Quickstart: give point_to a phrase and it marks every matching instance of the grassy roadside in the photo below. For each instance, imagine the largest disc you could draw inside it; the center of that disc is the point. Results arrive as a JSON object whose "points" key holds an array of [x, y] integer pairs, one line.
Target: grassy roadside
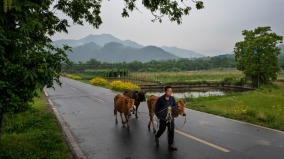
{"points": [[33, 134], [264, 106]]}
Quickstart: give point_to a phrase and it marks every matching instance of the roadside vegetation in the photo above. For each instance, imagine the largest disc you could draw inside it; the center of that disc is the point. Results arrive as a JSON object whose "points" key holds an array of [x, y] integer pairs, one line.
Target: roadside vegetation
{"points": [[116, 85], [231, 76], [33, 134], [264, 106]]}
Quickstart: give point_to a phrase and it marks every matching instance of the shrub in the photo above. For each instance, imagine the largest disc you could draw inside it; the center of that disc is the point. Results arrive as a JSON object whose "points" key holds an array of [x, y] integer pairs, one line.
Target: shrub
{"points": [[73, 77], [99, 81], [122, 86]]}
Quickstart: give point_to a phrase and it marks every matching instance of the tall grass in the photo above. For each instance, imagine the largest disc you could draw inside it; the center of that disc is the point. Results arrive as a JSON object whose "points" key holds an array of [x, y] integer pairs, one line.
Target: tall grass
{"points": [[192, 76], [33, 134]]}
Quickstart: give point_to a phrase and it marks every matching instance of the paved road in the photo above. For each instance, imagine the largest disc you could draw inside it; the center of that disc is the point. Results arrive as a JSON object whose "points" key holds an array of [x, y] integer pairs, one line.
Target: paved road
{"points": [[88, 111]]}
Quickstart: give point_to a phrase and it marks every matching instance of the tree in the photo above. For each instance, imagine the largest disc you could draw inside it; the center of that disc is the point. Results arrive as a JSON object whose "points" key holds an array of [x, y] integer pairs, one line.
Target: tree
{"points": [[28, 60], [257, 54], [281, 61]]}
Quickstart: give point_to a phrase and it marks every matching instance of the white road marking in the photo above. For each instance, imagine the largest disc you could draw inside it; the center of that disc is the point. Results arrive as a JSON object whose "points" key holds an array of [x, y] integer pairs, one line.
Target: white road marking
{"points": [[203, 141], [97, 99], [75, 89], [200, 140]]}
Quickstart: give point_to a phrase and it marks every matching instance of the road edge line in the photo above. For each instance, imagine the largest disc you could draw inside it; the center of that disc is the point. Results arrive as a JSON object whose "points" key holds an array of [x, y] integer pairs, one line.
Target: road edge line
{"points": [[77, 153]]}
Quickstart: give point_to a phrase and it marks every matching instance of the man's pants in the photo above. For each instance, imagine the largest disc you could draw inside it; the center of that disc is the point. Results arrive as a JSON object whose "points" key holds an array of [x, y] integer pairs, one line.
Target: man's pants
{"points": [[162, 128]]}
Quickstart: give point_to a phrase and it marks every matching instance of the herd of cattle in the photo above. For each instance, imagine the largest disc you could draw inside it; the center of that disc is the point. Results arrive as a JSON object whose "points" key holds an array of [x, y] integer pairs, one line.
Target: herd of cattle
{"points": [[124, 104]]}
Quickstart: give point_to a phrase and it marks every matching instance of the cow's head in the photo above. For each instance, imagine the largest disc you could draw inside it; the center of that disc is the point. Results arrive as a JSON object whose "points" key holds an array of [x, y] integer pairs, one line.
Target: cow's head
{"points": [[130, 103], [180, 109], [140, 96]]}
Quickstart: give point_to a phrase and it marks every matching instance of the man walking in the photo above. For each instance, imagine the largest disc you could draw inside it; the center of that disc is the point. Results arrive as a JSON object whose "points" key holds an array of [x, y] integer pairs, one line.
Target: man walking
{"points": [[165, 106]]}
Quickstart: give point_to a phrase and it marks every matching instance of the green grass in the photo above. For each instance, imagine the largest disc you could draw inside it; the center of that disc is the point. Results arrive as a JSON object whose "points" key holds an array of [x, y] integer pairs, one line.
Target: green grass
{"points": [[264, 106], [189, 77], [178, 77], [280, 76], [33, 134]]}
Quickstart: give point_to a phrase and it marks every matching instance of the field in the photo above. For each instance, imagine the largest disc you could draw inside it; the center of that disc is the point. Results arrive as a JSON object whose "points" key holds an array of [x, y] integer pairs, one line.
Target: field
{"points": [[33, 134], [230, 75], [191, 76], [264, 106]]}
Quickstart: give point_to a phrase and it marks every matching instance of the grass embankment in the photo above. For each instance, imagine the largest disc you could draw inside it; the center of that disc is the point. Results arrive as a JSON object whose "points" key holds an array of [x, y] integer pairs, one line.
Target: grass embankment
{"points": [[33, 134], [264, 106]]}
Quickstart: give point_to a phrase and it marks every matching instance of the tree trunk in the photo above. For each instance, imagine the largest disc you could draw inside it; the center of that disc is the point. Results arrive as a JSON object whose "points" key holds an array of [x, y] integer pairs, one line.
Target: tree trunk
{"points": [[1, 124]]}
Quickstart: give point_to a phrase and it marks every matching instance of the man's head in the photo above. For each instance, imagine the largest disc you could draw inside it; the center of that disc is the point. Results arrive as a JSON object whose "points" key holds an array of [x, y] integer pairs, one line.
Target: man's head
{"points": [[168, 91]]}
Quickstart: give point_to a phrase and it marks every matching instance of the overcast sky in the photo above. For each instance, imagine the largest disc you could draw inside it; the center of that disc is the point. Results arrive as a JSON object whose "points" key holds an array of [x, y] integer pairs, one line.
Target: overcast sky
{"points": [[211, 31]]}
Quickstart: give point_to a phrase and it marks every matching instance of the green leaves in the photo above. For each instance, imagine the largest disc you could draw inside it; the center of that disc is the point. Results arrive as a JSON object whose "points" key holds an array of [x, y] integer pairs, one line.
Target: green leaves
{"points": [[199, 5], [258, 54], [175, 10], [29, 61], [7, 5]]}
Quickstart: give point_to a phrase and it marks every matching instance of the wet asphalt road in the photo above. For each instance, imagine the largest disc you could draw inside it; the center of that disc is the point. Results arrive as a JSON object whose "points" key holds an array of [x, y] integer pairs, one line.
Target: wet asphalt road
{"points": [[88, 111]]}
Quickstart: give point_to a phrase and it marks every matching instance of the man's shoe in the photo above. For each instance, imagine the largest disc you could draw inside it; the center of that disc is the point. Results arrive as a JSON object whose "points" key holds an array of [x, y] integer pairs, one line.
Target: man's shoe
{"points": [[157, 141], [172, 147]]}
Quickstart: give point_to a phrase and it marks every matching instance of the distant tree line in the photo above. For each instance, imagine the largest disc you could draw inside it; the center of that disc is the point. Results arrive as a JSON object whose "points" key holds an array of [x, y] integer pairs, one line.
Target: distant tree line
{"points": [[156, 66]]}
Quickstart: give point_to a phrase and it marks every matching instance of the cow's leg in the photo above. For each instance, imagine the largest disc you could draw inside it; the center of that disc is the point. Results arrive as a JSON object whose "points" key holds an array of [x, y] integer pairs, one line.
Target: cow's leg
{"points": [[149, 124], [152, 121], [126, 117], [136, 115], [115, 114], [122, 119]]}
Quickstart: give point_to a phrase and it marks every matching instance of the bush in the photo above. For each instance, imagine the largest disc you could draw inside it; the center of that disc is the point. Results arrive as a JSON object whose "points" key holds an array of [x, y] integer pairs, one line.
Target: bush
{"points": [[122, 86], [99, 81], [73, 77]]}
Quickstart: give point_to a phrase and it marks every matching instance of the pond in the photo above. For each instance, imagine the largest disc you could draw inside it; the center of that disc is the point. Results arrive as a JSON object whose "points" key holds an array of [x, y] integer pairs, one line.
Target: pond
{"points": [[191, 93]]}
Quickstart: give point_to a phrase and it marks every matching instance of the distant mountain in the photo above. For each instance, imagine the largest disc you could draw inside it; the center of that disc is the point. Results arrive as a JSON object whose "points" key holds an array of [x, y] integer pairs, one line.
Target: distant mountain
{"points": [[117, 52], [100, 40], [108, 48], [182, 52], [84, 52]]}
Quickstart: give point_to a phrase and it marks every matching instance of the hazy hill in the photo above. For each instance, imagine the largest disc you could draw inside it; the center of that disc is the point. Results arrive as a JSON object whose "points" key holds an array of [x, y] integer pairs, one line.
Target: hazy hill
{"points": [[108, 48], [183, 53], [116, 52], [100, 40]]}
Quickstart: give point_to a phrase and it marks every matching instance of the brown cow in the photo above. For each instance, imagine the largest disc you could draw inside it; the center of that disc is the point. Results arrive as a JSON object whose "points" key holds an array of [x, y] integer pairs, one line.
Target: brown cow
{"points": [[123, 104], [151, 102], [139, 96]]}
